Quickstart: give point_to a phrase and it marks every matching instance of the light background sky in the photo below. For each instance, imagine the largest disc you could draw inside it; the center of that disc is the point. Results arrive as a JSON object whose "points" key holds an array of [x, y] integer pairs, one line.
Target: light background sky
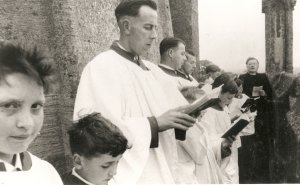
{"points": [[232, 30]]}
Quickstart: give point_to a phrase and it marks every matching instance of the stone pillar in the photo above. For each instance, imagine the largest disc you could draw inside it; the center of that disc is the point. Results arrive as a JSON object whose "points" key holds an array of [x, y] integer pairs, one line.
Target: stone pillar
{"points": [[184, 15], [279, 35], [164, 29]]}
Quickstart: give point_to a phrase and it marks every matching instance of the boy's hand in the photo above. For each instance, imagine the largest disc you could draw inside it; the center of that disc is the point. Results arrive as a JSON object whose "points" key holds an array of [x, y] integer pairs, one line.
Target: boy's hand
{"points": [[226, 145], [175, 118], [262, 93]]}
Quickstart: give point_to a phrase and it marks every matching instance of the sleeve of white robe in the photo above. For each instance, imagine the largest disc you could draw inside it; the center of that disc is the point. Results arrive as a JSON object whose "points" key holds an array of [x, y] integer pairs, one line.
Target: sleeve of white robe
{"points": [[100, 91], [208, 122]]}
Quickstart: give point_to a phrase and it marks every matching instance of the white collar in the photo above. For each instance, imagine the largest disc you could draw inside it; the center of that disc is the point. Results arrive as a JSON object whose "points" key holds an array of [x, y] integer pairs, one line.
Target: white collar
{"points": [[121, 46], [17, 164], [165, 66], [80, 178]]}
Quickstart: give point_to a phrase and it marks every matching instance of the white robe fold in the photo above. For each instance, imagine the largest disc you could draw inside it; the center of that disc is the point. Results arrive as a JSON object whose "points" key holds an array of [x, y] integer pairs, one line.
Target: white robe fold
{"points": [[126, 94], [196, 150], [216, 123], [187, 83]]}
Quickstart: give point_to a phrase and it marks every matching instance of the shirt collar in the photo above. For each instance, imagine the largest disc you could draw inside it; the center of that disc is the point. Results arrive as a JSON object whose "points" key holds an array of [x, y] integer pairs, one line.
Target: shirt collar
{"points": [[167, 67], [117, 47], [16, 166], [80, 178]]}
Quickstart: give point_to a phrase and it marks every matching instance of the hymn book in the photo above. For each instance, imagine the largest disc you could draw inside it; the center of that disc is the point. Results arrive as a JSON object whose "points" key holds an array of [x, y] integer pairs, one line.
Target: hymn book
{"points": [[235, 128], [194, 110]]}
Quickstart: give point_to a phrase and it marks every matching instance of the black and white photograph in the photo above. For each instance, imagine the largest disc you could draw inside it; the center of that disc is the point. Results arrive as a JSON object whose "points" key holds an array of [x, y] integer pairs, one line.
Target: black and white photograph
{"points": [[113, 92]]}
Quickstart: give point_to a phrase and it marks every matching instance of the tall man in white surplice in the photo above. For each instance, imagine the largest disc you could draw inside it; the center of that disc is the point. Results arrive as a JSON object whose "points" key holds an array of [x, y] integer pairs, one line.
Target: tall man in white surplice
{"points": [[136, 95]]}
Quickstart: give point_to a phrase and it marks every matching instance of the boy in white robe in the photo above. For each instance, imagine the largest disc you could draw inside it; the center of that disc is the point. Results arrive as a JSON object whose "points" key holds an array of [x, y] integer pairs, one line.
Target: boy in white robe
{"points": [[138, 97], [188, 67], [196, 149], [216, 121], [24, 80]]}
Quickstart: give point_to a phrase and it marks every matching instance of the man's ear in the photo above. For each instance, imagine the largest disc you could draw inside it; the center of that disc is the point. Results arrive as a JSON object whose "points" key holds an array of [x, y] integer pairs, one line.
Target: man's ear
{"points": [[170, 52], [77, 161], [125, 25]]}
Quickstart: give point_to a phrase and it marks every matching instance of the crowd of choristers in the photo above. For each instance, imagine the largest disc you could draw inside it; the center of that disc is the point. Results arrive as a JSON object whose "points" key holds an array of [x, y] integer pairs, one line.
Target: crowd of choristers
{"points": [[136, 122]]}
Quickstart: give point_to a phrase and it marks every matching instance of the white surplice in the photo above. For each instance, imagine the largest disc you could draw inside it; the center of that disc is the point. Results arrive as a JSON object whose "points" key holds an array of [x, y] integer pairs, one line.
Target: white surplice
{"points": [[126, 94], [216, 122], [196, 151], [235, 109], [187, 83], [40, 172]]}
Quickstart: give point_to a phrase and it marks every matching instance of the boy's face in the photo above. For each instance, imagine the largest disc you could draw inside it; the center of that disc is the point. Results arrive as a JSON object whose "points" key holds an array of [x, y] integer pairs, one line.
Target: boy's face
{"points": [[214, 75], [99, 169], [189, 65], [21, 113], [226, 98]]}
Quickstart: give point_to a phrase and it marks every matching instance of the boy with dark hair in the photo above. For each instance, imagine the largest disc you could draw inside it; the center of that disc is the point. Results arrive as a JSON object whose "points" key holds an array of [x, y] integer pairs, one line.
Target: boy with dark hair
{"points": [[216, 121], [188, 67], [97, 146], [24, 79]]}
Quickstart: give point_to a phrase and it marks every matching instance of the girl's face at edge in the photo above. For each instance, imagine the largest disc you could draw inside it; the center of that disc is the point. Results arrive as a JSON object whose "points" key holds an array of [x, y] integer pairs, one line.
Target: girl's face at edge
{"points": [[21, 113]]}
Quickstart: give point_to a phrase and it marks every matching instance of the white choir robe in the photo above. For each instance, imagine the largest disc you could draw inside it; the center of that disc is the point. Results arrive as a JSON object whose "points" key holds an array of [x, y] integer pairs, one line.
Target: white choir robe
{"points": [[126, 94], [235, 110], [196, 151], [216, 123], [40, 173], [186, 83]]}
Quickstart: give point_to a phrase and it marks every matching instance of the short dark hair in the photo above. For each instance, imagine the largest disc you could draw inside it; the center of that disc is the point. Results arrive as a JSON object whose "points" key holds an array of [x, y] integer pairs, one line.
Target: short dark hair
{"points": [[220, 80], [168, 43], [131, 7], [93, 134], [212, 68], [191, 52], [251, 58], [17, 58], [238, 82], [230, 87]]}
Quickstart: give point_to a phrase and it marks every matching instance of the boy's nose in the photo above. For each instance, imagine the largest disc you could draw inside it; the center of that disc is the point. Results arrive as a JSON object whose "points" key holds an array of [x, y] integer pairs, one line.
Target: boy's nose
{"points": [[25, 120]]}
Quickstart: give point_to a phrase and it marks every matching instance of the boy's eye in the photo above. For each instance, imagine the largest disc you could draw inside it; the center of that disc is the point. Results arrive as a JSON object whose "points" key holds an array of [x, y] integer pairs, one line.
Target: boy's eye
{"points": [[10, 105], [149, 27], [105, 166], [37, 106]]}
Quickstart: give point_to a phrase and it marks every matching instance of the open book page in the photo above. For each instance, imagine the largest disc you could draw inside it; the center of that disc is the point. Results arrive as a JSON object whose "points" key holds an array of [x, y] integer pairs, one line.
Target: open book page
{"points": [[199, 105], [256, 90]]}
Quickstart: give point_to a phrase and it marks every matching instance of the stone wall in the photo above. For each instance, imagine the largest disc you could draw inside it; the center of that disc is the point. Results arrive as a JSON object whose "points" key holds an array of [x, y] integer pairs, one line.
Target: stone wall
{"points": [[73, 32], [185, 22]]}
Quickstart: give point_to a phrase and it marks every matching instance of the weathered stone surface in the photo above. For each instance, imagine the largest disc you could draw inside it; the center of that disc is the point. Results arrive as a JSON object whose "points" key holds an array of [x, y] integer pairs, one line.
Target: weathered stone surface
{"points": [[185, 22], [164, 30], [279, 35]]}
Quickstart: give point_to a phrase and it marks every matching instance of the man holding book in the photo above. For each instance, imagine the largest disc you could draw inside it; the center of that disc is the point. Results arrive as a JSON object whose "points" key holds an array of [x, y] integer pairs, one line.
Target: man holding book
{"points": [[138, 97]]}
